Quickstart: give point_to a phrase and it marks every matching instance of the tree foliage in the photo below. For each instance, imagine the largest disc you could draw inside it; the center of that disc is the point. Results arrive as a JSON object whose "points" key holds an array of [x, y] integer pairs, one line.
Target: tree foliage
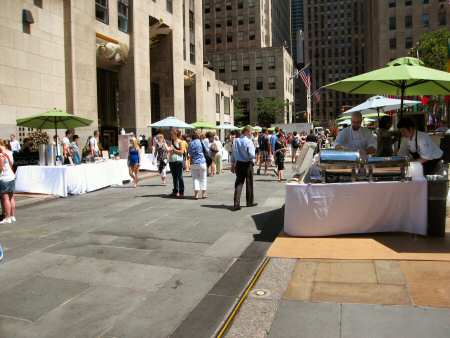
{"points": [[240, 117], [268, 109], [433, 48]]}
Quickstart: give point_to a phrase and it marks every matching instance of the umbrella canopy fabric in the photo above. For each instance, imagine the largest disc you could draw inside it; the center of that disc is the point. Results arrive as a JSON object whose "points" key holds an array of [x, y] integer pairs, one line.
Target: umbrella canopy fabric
{"points": [[377, 104], [226, 126], [365, 116], [171, 122], [53, 119], [405, 76], [257, 129], [347, 121], [203, 125]]}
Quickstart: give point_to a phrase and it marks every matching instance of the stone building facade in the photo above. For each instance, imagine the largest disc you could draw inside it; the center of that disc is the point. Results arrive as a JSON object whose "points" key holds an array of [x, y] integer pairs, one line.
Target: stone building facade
{"points": [[396, 26], [121, 63], [241, 46]]}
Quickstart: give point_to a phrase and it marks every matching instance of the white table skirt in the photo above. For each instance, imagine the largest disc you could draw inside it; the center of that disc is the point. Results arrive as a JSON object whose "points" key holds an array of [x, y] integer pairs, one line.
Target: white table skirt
{"points": [[362, 207], [71, 180]]}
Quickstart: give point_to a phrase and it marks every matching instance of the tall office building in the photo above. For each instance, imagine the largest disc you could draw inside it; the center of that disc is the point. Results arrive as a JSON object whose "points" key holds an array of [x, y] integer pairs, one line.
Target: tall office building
{"points": [[297, 24], [119, 63], [335, 46], [245, 42], [395, 26]]}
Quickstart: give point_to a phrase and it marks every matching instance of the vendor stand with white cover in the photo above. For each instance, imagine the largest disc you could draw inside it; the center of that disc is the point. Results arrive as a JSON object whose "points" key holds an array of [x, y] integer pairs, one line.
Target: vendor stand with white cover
{"points": [[328, 209], [69, 179]]}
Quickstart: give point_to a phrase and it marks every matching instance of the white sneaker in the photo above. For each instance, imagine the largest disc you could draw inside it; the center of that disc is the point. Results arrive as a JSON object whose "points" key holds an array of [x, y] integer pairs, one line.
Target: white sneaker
{"points": [[13, 219], [6, 221]]}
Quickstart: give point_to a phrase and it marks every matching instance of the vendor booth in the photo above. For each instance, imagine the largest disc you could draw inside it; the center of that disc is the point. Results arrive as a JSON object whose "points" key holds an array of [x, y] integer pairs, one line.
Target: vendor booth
{"points": [[69, 179]]}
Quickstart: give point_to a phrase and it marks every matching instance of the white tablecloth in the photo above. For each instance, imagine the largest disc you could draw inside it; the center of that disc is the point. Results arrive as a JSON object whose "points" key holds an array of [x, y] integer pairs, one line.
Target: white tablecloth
{"points": [[363, 207], [71, 180]]}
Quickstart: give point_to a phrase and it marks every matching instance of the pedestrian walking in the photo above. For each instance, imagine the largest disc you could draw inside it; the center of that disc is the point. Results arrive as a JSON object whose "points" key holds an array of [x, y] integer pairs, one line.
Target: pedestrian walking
{"points": [[198, 166], [218, 155], [160, 155], [7, 185], [133, 160], [280, 152], [295, 144], [176, 151], [264, 151], [242, 166]]}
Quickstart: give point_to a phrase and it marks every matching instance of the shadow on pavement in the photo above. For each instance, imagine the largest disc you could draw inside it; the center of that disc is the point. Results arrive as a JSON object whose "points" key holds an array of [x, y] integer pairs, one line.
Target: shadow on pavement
{"points": [[270, 224], [218, 206]]}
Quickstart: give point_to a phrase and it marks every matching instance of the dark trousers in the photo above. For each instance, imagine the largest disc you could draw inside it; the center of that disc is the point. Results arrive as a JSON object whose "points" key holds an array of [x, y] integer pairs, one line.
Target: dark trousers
{"points": [[176, 169], [244, 172]]}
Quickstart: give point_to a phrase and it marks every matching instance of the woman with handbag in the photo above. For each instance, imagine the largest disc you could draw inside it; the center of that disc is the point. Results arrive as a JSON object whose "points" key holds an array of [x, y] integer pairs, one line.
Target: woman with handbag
{"points": [[160, 154], [7, 185], [176, 151], [199, 167]]}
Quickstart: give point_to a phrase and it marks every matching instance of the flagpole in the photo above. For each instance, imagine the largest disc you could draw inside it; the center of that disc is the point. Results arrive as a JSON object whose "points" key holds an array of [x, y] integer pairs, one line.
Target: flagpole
{"points": [[308, 104]]}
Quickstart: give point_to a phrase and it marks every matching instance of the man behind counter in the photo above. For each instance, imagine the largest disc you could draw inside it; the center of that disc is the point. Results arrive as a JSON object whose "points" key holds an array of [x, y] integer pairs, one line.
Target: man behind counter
{"points": [[419, 146], [356, 138]]}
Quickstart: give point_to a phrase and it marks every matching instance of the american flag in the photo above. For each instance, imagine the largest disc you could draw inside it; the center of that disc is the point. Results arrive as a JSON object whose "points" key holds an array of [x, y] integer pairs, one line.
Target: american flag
{"points": [[316, 94], [305, 74]]}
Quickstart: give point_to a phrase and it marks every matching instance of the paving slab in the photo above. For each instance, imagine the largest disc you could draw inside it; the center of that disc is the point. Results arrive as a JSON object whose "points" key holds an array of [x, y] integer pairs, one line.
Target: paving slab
{"points": [[306, 320], [36, 296], [389, 272], [231, 244], [346, 272], [87, 316], [365, 293], [374, 321], [111, 273], [162, 311]]}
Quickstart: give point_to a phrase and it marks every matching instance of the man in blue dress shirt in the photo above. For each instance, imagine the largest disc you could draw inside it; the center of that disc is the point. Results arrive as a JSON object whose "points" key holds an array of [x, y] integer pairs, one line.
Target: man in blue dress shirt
{"points": [[242, 164]]}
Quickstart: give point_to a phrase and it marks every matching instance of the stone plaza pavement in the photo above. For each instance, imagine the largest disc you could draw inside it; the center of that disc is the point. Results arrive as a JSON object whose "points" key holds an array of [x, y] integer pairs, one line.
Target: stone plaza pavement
{"points": [[124, 262]]}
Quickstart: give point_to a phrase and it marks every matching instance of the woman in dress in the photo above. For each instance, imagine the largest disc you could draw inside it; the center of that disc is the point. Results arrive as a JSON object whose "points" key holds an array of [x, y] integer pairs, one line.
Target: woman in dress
{"points": [[160, 155], [198, 166], [280, 151], [133, 160], [74, 150], [7, 185], [218, 155]]}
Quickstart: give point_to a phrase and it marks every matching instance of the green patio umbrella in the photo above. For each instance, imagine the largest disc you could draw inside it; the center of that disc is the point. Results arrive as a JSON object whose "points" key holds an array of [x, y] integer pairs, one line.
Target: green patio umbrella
{"points": [[203, 125], [405, 76], [53, 119]]}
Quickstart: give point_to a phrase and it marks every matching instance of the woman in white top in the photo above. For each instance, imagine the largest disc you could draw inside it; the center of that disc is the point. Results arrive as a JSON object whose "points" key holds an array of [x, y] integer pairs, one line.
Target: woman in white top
{"points": [[218, 157], [7, 185], [419, 146]]}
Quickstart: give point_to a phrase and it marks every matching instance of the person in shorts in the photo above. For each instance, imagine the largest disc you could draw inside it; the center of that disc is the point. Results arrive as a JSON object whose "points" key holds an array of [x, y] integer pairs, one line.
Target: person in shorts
{"points": [[7, 185], [264, 150], [295, 144]]}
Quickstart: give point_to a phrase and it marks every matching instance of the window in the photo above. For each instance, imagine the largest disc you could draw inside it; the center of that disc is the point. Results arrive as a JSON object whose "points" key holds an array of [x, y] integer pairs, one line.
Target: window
{"points": [[229, 22], [251, 35], [259, 83], [218, 24], [246, 85], [191, 32], [271, 62], [393, 43], [442, 18], [234, 65], [218, 39], [272, 83], [226, 105], [192, 53], [101, 11], [241, 4], [207, 8], [218, 8], [217, 104], [408, 42], [408, 2], [425, 20], [207, 25], [408, 21], [207, 41], [240, 20], [251, 20], [38, 3], [234, 83], [251, 3], [230, 38], [123, 12], [27, 20], [425, 2], [392, 23], [246, 64], [169, 6], [221, 66], [229, 6], [392, 3], [240, 36], [258, 63]]}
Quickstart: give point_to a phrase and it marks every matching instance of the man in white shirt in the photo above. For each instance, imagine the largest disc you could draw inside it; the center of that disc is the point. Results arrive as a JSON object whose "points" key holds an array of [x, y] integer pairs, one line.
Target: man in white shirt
{"points": [[356, 138], [419, 146], [66, 143], [14, 144], [93, 145]]}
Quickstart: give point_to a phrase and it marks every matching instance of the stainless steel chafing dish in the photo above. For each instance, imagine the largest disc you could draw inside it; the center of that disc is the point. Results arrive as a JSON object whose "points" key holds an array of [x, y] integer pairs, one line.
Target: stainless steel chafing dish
{"points": [[386, 168], [336, 164]]}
